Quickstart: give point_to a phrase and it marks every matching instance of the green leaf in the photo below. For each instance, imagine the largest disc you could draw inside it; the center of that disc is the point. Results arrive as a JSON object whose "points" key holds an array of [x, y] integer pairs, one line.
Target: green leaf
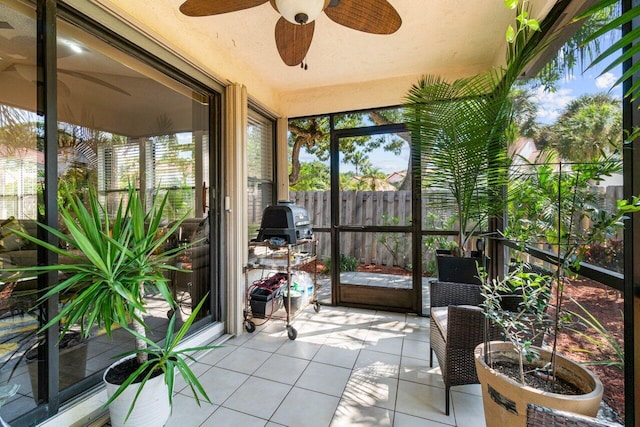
{"points": [[511, 34], [511, 4]]}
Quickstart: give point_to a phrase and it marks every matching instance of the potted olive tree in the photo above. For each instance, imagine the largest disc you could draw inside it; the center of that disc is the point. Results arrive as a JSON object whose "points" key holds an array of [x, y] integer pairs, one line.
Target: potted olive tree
{"points": [[114, 256], [557, 208]]}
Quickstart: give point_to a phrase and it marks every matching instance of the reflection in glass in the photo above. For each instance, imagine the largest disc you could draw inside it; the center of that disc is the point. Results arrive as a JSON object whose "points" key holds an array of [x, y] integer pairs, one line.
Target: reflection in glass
{"points": [[260, 169], [21, 173], [120, 122]]}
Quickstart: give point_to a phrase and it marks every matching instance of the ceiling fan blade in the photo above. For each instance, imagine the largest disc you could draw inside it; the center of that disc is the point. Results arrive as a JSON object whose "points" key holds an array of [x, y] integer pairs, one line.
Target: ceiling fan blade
{"points": [[370, 16], [216, 7], [92, 79], [293, 40]]}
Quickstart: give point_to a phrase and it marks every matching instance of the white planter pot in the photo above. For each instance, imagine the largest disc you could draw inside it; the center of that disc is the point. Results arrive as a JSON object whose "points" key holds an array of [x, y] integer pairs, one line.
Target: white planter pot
{"points": [[505, 400], [152, 407]]}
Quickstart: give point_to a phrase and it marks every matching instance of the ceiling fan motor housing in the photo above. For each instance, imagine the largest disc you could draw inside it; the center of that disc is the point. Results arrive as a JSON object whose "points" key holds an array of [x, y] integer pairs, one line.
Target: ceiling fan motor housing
{"points": [[301, 18]]}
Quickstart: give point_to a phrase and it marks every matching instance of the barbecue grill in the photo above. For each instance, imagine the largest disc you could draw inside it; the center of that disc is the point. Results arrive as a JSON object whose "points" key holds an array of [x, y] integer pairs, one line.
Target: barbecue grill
{"points": [[285, 220]]}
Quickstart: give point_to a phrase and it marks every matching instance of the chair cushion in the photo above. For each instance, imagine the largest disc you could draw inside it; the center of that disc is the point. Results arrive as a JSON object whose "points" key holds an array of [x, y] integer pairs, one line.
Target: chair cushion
{"points": [[439, 316]]}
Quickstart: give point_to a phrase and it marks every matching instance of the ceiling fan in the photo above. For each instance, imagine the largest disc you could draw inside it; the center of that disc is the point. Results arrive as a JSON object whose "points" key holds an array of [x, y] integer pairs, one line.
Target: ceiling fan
{"points": [[294, 29]]}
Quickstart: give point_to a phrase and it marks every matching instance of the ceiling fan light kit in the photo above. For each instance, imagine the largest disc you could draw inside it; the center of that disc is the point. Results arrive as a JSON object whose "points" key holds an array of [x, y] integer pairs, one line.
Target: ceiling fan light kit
{"points": [[294, 29], [300, 12]]}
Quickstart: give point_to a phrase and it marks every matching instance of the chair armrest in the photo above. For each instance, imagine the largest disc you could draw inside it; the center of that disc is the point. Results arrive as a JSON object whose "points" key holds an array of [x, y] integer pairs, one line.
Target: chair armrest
{"points": [[443, 294]]}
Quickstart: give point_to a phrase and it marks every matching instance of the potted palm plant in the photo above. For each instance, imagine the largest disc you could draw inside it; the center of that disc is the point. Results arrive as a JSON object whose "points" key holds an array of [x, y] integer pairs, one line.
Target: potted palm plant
{"points": [[461, 130], [515, 372], [113, 259]]}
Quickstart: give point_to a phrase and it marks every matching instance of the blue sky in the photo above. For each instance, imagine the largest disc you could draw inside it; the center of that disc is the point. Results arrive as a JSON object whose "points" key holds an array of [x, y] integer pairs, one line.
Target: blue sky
{"points": [[551, 104]]}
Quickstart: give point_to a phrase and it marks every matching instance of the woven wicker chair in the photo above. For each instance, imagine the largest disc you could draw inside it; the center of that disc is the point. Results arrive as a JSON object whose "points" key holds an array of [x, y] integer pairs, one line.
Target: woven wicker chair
{"points": [[538, 416], [457, 327]]}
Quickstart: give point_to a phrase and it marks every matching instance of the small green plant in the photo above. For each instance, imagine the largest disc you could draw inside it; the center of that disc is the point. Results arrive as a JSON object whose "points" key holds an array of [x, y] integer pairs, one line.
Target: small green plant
{"points": [[347, 263], [433, 242], [395, 243], [603, 339]]}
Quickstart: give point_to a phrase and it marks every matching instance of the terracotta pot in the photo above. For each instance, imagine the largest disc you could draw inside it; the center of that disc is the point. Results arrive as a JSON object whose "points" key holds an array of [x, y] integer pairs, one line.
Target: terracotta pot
{"points": [[152, 407], [505, 400]]}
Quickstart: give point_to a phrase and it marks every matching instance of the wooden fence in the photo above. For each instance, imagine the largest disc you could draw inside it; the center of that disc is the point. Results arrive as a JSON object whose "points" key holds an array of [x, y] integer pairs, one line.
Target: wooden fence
{"points": [[379, 208], [364, 208]]}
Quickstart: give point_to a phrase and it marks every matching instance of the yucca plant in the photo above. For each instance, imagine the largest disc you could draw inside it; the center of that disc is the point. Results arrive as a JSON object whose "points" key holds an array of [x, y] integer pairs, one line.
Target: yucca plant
{"points": [[113, 259]]}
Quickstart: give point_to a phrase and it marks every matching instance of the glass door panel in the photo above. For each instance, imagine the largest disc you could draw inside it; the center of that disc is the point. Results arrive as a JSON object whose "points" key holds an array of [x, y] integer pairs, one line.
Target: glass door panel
{"points": [[374, 227]]}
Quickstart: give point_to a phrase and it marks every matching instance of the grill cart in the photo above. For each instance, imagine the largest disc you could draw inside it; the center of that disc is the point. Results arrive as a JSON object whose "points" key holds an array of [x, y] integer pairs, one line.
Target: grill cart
{"points": [[274, 279]]}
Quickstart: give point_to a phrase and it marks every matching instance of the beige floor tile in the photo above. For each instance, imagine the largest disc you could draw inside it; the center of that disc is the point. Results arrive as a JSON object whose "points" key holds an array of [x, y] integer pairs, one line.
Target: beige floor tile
{"points": [[417, 321], [353, 414], [240, 339], [275, 326], [388, 325], [217, 354], [390, 316], [383, 341], [225, 417], [306, 408], [245, 360], [404, 420], [350, 332], [341, 353], [468, 409], [368, 390], [219, 383], [299, 348], [324, 378], [198, 370], [474, 389], [258, 397], [315, 331], [266, 341], [415, 349], [422, 401], [186, 412], [376, 364], [418, 371], [417, 333], [284, 369], [348, 367]]}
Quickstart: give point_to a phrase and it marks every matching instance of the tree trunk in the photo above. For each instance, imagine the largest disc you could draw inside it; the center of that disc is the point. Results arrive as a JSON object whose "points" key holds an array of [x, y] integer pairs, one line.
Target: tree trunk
{"points": [[294, 176], [139, 328]]}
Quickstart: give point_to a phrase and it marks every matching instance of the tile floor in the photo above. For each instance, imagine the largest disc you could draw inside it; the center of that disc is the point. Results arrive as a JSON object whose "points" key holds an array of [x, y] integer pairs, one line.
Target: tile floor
{"points": [[347, 367]]}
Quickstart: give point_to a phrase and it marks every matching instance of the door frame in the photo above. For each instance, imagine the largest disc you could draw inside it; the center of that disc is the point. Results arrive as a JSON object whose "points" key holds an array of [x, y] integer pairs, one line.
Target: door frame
{"points": [[366, 296]]}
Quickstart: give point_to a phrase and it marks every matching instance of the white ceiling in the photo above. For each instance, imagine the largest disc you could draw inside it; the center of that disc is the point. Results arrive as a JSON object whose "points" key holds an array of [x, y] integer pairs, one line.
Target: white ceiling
{"points": [[453, 38], [435, 36]]}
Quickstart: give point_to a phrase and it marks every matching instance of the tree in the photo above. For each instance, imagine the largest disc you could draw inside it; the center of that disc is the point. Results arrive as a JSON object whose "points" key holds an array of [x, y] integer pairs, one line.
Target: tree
{"points": [[525, 111], [312, 134], [313, 176], [590, 126], [581, 48]]}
